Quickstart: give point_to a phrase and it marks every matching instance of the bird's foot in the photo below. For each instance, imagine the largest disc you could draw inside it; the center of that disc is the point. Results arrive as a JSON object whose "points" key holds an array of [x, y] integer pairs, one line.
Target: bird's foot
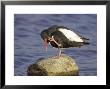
{"points": [[52, 39], [56, 57]]}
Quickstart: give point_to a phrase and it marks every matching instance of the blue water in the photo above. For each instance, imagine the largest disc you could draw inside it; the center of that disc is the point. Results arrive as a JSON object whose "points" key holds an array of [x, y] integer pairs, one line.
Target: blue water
{"points": [[28, 45]]}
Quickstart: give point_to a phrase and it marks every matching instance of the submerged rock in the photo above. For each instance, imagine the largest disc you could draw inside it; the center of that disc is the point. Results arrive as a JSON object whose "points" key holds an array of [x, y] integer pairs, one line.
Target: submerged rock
{"points": [[54, 66]]}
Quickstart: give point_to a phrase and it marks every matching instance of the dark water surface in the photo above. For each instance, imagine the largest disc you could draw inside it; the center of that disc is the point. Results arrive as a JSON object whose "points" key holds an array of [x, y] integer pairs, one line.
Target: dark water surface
{"points": [[28, 45]]}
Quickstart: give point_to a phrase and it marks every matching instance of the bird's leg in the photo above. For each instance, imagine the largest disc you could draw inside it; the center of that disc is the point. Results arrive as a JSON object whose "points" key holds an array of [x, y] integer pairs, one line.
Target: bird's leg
{"points": [[59, 52], [52, 39]]}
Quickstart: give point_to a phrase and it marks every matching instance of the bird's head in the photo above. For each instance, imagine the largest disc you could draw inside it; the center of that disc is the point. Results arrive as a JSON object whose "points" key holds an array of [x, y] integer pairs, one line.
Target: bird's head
{"points": [[45, 36]]}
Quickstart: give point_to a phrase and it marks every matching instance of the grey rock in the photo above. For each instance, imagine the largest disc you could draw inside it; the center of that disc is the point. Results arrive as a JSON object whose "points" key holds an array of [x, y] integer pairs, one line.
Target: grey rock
{"points": [[54, 66]]}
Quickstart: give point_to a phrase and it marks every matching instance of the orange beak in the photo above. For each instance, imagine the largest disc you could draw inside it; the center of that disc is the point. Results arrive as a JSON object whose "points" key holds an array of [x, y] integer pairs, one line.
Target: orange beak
{"points": [[45, 44]]}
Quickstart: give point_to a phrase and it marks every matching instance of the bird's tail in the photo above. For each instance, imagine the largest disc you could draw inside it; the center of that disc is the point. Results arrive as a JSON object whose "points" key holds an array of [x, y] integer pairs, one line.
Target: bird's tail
{"points": [[85, 38], [86, 43]]}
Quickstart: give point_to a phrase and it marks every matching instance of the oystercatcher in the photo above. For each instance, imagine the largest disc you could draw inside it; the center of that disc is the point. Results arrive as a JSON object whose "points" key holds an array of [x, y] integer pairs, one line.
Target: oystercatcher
{"points": [[62, 37]]}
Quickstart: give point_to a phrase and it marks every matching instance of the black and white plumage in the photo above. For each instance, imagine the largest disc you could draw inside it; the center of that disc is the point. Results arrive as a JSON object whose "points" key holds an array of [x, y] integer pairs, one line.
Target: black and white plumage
{"points": [[62, 37]]}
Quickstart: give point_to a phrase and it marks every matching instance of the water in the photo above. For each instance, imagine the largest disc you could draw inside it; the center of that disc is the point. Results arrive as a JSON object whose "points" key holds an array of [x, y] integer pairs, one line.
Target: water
{"points": [[28, 45]]}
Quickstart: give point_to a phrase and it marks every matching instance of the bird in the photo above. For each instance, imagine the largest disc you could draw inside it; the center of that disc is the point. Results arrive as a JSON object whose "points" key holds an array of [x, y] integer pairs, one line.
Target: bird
{"points": [[62, 37]]}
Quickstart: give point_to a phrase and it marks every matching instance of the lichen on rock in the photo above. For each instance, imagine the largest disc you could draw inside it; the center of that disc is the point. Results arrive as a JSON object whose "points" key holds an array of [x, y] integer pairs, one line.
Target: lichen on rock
{"points": [[54, 66]]}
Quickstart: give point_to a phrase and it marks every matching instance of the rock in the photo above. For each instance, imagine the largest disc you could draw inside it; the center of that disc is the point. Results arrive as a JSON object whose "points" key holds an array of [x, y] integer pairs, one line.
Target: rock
{"points": [[54, 66]]}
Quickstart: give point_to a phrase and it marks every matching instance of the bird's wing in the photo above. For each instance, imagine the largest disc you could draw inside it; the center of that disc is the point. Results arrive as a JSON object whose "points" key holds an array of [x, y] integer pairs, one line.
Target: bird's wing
{"points": [[71, 35], [82, 37]]}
